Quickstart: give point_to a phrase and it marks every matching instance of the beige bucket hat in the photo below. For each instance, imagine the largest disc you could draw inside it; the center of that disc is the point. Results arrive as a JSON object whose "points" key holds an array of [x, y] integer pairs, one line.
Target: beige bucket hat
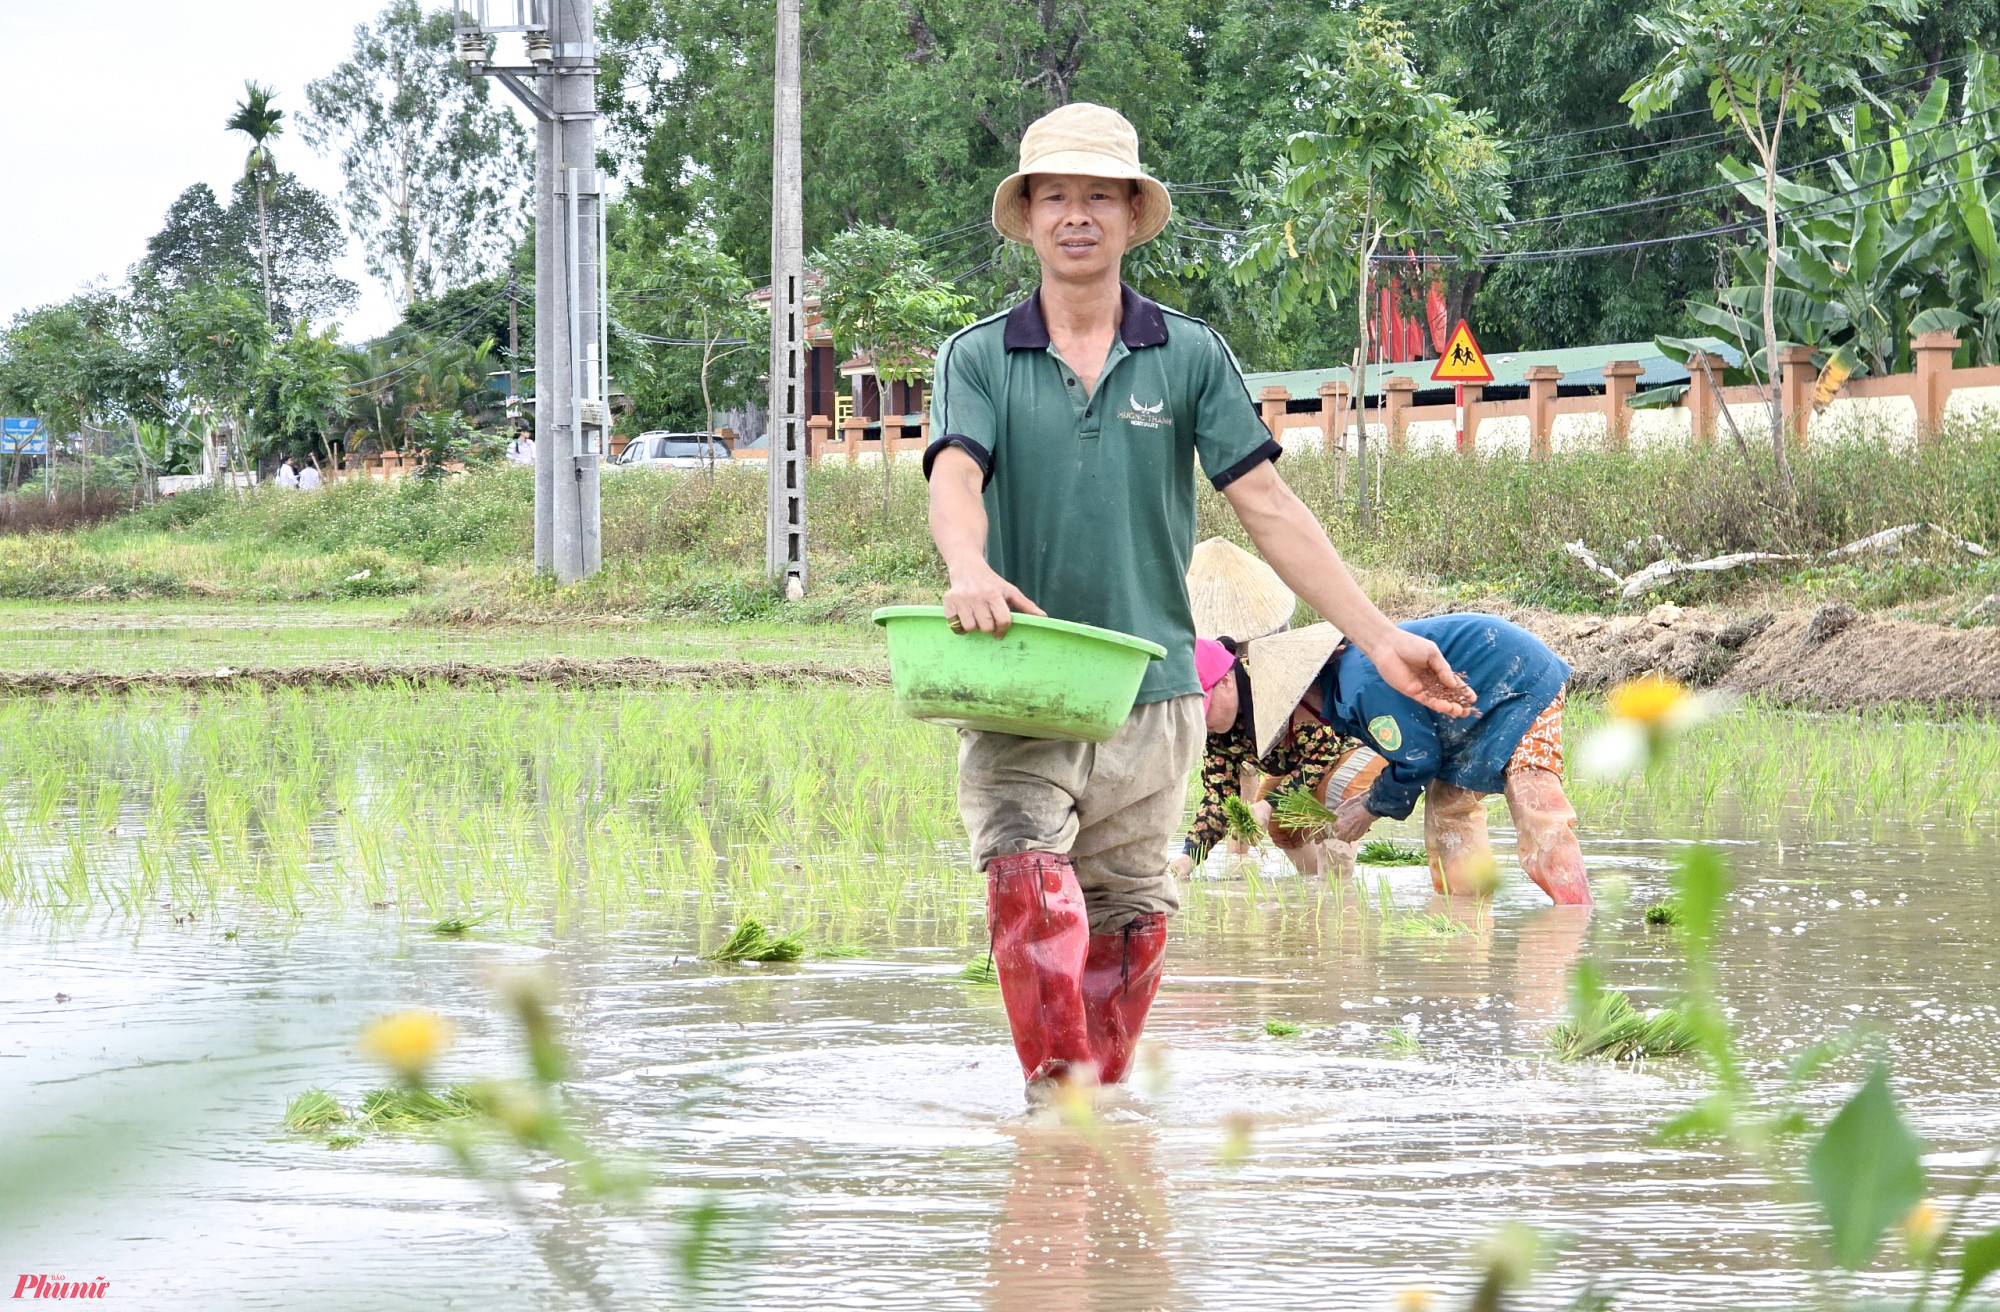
{"points": [[1088, 140], [1281, 668], [1234, 594]]}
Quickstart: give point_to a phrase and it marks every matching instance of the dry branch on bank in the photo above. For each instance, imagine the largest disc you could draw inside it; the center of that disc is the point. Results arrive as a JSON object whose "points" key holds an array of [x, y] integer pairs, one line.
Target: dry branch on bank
{"points": [[1653, 575]]}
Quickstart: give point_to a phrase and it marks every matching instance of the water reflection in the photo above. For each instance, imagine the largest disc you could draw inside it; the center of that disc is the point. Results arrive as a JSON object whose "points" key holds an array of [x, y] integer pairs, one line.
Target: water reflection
{"points": [[1083, 1227]]}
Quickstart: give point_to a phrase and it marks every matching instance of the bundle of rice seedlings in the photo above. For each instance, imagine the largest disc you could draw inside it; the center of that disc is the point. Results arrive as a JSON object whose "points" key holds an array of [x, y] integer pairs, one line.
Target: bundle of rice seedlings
{"points": [[406, 1108], [982, 972], [1282, 1029], [1389, 852], [1300, 810], [1663, 913], [1242, 824], [453, 926], [1610, 1026], [752, 942], [313, 1112]]}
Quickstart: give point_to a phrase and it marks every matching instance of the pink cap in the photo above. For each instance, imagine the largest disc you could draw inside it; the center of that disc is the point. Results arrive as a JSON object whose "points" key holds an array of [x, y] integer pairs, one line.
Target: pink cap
{"points": [[1212, 660]]}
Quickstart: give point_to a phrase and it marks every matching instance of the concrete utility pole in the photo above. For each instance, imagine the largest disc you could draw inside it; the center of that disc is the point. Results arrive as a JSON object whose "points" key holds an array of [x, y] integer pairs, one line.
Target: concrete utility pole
{"points": [[572, 389], [785, 535]]}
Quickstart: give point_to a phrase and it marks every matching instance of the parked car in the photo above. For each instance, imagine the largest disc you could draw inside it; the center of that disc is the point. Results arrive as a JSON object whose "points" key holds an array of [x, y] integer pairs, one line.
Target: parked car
{"points": [[672, 451]]}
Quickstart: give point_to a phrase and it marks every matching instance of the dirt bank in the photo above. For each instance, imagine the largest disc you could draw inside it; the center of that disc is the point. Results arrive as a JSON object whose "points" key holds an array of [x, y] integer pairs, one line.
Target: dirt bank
{"points": [[1833, 658], [617, 672]]}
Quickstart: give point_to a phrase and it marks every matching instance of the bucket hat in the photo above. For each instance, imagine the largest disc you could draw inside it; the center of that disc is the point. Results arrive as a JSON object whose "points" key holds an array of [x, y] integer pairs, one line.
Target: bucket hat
{"points": [[1090, 141], [1232, 592], [1281, 668]]}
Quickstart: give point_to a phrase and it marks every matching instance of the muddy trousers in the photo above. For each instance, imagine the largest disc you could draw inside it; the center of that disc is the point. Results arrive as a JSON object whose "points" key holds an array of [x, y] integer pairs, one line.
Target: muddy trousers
{"points": [[1545, 828]]}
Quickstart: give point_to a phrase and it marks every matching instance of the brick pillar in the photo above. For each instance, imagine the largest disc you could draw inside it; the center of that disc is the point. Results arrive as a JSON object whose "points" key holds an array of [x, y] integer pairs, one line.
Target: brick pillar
{"points": [[1542, 380], [1332, 413], [1621, 381], [1272, 402], [1701, 399], [853, 433], [1934, 354], [819, 431], [1396, 393], [1796, 380]]}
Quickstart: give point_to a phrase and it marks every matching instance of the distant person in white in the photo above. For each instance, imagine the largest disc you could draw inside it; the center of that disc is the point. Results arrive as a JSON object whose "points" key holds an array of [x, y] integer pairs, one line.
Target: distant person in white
{"points": [[522, 450], [308, 478], [287, 476]]}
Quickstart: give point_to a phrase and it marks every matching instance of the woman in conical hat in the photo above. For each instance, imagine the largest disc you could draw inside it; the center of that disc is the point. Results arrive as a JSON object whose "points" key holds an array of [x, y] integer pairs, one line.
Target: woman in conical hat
{"points": [[1512, 744], [1288, 751]]}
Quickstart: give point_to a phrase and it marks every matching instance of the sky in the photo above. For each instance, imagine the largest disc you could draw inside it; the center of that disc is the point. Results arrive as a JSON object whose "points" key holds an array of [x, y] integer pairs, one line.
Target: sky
{"points": [[109, 110]]}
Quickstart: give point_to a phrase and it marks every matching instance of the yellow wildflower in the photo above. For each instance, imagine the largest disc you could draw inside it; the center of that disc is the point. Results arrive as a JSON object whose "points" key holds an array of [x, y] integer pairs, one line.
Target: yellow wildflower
{"points": [[407, 1042], [1413, 1298], [1651, 700], [1922, 1229]]}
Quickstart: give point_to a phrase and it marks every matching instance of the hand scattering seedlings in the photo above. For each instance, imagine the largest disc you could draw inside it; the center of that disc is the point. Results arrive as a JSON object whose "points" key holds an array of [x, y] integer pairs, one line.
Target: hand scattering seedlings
{"points": [[753, 942]]}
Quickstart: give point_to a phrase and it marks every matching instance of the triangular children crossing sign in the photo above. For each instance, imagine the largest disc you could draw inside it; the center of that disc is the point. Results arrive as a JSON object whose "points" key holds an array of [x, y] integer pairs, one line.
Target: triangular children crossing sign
{"points": [[1462, 361]]}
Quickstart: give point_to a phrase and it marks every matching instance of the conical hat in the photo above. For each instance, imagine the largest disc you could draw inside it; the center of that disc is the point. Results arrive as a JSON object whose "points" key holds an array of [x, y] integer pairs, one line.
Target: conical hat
{"points": [[1281, 668], [1234, 594]]}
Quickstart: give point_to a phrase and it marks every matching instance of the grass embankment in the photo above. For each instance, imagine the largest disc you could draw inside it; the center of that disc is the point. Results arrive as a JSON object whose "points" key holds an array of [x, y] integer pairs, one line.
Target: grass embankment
{"points": [[690, 545]]}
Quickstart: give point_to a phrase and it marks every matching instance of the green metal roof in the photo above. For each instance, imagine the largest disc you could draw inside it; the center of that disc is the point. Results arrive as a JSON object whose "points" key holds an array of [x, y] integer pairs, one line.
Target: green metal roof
{"points": [[1581, 365]]}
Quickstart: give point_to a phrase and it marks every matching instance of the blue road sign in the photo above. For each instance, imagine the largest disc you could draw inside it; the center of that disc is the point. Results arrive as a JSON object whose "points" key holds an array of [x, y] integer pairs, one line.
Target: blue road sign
{"points": [[22, 437]]}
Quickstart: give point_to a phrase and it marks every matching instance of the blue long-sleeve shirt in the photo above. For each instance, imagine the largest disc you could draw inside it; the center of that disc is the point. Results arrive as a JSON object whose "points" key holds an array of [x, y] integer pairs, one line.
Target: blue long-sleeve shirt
{"points": [[1514, 674]]}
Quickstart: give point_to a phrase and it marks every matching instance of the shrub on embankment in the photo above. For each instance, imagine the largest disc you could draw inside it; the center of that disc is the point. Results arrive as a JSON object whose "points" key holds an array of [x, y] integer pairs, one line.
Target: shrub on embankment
{"points": [[692, 543]]}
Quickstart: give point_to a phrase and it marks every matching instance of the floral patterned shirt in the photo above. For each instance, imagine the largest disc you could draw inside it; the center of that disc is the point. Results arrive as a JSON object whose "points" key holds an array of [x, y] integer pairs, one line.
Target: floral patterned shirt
{"points": [[1301, 758]]}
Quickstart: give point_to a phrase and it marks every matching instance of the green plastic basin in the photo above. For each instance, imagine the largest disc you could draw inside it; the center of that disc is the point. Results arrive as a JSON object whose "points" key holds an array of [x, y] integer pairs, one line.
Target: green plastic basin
{"points": [[1044, 679]]}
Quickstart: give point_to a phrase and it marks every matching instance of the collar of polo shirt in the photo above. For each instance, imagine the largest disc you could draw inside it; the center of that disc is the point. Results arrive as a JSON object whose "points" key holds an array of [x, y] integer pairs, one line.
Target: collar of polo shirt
{"points": [[1140, 323]]}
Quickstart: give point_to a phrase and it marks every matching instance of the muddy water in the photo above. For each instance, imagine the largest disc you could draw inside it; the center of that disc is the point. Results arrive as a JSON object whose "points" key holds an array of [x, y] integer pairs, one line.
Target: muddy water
{"points": [[859, 1121]]}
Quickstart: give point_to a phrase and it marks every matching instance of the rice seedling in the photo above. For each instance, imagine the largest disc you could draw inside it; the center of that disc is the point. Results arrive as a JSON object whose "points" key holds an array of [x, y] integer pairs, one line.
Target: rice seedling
{"points": [[1240, 823], [751, 941], [1389, 852], [1399, 1042], [1604, 1023], [1663, 913], [1282, 1029], [313, 1112], [981, 971], [404, 1107], [459, 926]]}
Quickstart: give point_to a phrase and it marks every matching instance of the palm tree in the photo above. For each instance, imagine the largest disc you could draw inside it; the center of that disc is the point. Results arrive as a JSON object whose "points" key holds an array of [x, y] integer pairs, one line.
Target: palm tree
{"points": [[255, 119]]}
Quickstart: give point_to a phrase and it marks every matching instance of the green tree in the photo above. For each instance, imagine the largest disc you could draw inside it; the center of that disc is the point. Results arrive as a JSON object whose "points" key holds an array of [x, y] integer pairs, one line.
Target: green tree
{"points": [[200, 241], [257, 119], [1390, 162], [436, 172], [302, 383], [684, 287], [1765, 63], [72, 365], [218, 339], [881, 299]]}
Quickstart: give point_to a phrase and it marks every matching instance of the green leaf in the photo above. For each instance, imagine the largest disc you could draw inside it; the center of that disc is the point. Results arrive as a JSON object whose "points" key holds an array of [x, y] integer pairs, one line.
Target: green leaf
{"points": [[1657, 398], [1938, 318], [1980, 1259], [1700, 883], [1866, 1170]]}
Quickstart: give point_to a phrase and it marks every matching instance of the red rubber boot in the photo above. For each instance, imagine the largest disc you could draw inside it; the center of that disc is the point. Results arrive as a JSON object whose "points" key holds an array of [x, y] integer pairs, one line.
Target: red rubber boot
{"points": [[1120, 977], [1041, 934]]}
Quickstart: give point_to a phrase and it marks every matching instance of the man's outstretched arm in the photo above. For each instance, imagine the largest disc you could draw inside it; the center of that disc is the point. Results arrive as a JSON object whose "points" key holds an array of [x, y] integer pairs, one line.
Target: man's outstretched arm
{"points": [[978, 597], [1295, 545]]}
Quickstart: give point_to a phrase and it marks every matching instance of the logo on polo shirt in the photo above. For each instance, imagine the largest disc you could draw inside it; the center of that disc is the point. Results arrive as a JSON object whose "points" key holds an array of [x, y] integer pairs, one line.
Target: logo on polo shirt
{"points": [[1142, 415]]}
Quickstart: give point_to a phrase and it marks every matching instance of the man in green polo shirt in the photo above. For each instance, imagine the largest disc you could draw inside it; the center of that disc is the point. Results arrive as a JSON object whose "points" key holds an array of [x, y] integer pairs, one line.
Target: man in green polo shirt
{"points": [[1062, 483]]}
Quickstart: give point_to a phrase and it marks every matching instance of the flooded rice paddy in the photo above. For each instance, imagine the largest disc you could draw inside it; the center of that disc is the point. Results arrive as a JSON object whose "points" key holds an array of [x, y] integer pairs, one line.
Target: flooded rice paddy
{"points": [[202, 901]]}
